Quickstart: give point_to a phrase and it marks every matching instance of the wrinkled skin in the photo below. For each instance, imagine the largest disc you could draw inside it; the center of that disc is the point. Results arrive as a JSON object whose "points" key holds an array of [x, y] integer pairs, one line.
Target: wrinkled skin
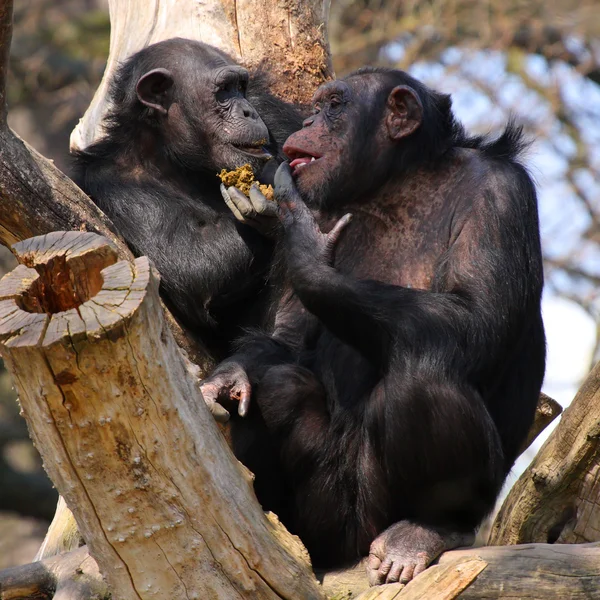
{"points": [[405, 550], [386, 408]]}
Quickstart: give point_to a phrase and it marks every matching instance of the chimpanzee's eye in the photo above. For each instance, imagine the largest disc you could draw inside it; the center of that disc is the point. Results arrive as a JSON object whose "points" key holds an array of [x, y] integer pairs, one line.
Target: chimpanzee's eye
{"points": [[316, 109], [335, 104]]}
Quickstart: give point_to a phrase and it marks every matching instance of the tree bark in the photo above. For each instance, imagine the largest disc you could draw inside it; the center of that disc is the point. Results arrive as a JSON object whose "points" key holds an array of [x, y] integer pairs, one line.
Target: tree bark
{"points": [[288, 38], [556, 498], [527, 572], [104, 390], [72, 576]]}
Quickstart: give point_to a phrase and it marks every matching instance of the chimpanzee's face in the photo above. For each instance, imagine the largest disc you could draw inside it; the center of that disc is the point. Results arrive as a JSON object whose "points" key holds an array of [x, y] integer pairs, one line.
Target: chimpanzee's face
{"points": [[206, 121], [322, 153], [350, 144], [239, 134]]}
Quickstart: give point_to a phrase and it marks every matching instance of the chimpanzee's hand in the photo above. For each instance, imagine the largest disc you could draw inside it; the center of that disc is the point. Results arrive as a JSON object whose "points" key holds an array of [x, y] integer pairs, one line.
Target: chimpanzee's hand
{"points": [[256, 211], [406, 549], [228, 383], [303, 237]]}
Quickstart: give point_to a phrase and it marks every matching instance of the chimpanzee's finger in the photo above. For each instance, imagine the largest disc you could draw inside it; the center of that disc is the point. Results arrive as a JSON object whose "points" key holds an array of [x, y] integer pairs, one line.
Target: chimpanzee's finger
{"points": [[378, 576], [267, 175], [210, 393], [394, 575], [244, 401], [232, 207], [283, 179], [241, 202], [286, 216], [407, 572], [285, 188], [334, 235], [261, 205], [220, 414]]}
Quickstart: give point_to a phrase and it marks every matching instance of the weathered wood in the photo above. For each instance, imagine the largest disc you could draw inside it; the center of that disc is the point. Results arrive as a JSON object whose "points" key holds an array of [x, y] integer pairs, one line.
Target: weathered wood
{"points": [[72, 576], [287, 38], [442, 582], [165, 507], [6, 10], [556, 498], [63, 534], [527, 572], [546, 411]]}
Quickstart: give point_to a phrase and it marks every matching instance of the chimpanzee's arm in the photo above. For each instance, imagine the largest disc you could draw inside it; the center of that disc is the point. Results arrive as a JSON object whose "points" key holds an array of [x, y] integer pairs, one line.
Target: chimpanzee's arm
{"points": [[202, 259], [235, 377], [484, 289]]}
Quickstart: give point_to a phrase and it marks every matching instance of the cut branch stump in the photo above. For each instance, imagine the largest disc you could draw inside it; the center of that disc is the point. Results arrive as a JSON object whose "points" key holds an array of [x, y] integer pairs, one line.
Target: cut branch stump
{"points": [[167, 510]]}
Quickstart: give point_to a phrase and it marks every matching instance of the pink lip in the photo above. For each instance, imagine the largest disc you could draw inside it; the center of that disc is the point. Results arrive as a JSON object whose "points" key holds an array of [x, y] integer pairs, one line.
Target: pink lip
{"points": [[302, 162], [305, 160]]}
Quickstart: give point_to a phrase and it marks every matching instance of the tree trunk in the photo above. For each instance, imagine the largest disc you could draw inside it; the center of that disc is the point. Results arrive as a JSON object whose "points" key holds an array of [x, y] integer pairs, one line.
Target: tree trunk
{"points": [[556, 498], [289, 38], [104, 391]]}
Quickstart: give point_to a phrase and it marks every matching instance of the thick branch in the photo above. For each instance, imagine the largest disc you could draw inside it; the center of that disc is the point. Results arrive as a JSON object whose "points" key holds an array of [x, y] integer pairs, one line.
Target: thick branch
{"points": [[72, 576], [6, 9], [527, 572], [104, 389], [556, 498]]}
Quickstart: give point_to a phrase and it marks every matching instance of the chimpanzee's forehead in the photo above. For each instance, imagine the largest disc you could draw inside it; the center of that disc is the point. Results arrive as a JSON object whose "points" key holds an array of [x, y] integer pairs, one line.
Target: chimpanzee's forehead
{"points": [[335, 86], [210, 61]]}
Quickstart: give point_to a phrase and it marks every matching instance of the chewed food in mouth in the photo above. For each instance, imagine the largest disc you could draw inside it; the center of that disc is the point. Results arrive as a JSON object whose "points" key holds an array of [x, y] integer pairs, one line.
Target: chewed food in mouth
{"points": [[243, 178]]}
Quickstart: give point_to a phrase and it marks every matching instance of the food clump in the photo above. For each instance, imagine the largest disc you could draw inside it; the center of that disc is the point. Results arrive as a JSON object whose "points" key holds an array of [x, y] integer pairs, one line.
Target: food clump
{"points": [[243, 178]]}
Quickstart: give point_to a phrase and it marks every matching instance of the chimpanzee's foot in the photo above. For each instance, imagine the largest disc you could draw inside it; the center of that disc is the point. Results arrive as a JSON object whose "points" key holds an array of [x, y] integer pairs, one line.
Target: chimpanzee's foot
{"points": [[406, 549]]}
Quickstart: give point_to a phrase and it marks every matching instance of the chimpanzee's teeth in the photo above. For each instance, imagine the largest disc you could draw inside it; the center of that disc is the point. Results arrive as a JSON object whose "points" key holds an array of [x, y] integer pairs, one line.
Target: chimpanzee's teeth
{"points": [[300, 165], [312, 159]]}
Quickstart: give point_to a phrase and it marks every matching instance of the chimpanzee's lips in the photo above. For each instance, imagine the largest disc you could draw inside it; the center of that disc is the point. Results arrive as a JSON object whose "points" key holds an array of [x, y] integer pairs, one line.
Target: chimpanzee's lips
{"points": [[300, 158], [257, 151], [301, 162]]}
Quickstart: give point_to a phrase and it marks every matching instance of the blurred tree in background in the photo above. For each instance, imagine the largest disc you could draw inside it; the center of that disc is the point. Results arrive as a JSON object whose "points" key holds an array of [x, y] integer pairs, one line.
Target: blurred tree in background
{"points": [[537, 60]]}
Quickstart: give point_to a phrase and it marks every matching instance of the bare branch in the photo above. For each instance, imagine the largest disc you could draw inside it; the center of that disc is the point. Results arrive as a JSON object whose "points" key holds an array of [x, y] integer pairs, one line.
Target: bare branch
{"points": [[6, 9]]}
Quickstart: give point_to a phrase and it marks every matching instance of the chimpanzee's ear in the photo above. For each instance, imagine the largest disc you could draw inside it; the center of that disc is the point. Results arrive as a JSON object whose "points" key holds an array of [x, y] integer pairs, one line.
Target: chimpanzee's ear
{"points": [[155, 89], [405, 112]]}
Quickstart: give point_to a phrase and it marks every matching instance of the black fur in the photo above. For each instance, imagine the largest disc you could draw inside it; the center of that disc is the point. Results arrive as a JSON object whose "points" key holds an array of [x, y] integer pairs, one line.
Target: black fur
{"points": [[155, 178], [374, 402]]}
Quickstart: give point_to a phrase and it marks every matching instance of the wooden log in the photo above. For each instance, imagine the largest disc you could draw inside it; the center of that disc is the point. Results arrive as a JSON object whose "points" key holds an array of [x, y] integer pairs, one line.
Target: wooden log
{"points": [[287, 38], [166, 509], [556, 498], [71, 576], [527, 572]]}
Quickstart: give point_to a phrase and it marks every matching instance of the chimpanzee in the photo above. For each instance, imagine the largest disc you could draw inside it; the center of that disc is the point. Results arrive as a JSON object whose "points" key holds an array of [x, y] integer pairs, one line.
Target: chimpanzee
{"points": [[181, 112], [408, 353]]}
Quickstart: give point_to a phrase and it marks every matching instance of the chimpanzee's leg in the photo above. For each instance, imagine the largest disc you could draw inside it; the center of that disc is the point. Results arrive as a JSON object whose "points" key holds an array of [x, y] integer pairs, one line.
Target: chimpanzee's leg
{"points": [[444, 460], [284, 427]]}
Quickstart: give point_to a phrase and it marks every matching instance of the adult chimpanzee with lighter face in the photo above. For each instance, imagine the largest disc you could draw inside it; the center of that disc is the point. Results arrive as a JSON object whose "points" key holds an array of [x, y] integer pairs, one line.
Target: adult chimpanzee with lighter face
{"points": [[403, 373], [181, 111]]}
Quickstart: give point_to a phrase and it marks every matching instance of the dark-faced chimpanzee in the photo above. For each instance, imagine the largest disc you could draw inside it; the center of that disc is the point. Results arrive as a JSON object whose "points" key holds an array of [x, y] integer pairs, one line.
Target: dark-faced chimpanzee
{"points": [[180, 112], [404, 369]]}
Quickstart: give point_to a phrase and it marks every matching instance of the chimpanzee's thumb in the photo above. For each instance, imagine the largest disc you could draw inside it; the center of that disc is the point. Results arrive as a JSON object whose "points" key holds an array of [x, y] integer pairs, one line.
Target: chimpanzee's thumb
{"points": [[285, 189]]}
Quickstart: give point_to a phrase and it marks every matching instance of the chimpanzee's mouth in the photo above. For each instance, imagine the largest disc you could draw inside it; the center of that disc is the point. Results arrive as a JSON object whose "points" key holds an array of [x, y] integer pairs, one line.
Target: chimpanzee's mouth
{"points": [[300, 163], [256, 149], [300, 159]]}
